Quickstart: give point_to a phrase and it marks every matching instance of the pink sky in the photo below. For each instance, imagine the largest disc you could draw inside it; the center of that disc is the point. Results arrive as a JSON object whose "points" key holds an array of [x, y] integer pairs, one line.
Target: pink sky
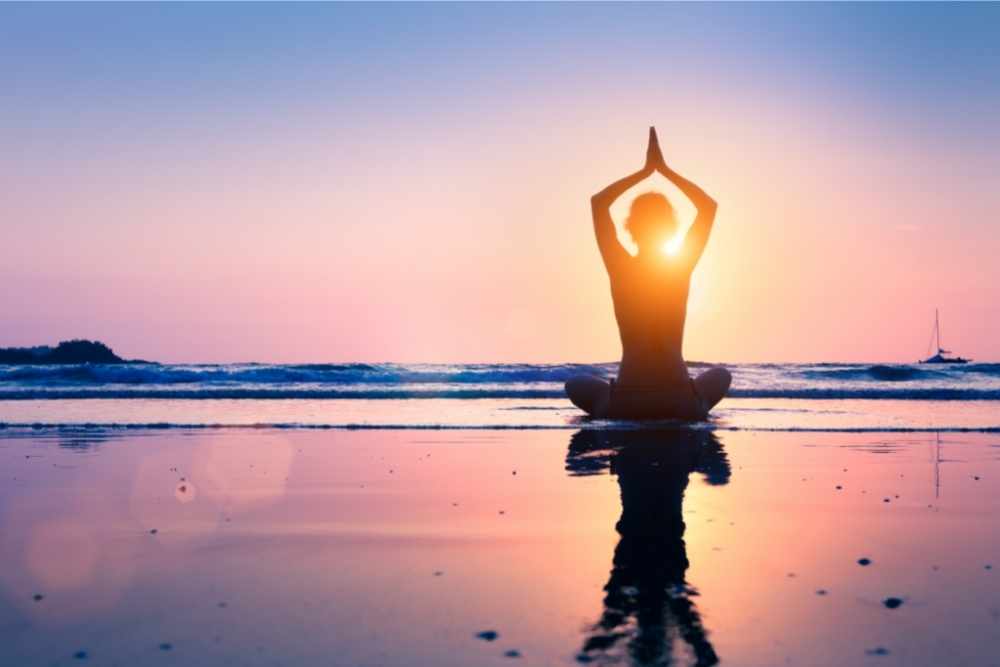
{"points": [[449, 220]]}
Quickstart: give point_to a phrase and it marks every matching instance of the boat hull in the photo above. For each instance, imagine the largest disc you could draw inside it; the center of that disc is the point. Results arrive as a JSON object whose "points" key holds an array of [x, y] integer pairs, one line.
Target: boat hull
{"points": [[935, 360]]}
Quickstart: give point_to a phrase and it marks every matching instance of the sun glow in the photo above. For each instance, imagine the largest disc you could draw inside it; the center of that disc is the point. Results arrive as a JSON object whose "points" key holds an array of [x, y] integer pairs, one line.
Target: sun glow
{"points": [[673, 245]]}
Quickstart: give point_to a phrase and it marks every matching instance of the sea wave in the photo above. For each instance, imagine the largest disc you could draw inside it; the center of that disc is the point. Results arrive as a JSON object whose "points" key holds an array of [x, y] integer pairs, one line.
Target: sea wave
{"points": [[475, 381], [14, 429], [360, 393], [157, 374], [875, 372]]}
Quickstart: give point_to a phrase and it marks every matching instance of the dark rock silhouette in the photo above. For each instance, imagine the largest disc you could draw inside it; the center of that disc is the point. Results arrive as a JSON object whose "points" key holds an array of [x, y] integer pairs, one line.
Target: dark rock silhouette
{"points": [[66, 352]]}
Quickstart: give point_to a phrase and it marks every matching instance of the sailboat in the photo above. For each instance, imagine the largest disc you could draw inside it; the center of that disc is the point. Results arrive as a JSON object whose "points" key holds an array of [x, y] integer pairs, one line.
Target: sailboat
{"points": [[940, 357]]}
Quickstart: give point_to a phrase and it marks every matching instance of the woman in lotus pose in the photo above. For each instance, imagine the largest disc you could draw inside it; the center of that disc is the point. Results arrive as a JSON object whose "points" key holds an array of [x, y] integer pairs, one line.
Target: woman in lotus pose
{"points": [[650, 293]]}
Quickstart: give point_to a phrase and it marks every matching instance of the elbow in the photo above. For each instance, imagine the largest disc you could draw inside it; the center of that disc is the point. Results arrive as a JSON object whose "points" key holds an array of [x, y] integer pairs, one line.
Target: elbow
{"points": [[709, 207]]}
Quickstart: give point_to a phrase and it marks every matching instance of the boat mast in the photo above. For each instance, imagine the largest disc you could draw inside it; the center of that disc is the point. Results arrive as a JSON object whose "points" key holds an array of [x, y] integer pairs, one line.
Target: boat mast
{"points": [[937, 330]]}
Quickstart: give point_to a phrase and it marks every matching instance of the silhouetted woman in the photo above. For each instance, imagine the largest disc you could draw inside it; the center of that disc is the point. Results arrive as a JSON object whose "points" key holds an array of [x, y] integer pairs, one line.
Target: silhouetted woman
{"points": [[650, 293]]}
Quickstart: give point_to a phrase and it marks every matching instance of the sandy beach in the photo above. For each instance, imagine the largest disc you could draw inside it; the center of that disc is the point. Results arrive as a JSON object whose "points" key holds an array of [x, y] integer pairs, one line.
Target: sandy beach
{"points": [[268, 546]]}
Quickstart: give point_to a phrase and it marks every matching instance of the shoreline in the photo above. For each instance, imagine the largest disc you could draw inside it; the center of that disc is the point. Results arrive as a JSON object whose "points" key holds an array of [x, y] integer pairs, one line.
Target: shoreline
{"points": [[731, 415], [615, 428]]}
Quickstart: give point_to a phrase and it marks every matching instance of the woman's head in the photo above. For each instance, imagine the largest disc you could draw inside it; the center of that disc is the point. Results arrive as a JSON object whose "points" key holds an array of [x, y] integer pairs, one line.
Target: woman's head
{"points": [[651, 221]]}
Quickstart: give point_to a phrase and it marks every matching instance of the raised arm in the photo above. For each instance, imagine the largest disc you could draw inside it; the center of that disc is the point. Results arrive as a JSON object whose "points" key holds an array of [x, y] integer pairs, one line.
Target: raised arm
{"points": [[697, 235], [604, 227], [612, 251]]}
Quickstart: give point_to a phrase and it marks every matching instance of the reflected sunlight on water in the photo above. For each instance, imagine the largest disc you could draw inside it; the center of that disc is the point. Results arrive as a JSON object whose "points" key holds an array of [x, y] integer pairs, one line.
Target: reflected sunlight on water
{"points": [[399, 547]]}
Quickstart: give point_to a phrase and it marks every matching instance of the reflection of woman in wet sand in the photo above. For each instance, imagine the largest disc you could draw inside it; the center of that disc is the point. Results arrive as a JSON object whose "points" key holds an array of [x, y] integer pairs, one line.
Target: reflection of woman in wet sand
{"points": [[650, 293], [648, 603]]}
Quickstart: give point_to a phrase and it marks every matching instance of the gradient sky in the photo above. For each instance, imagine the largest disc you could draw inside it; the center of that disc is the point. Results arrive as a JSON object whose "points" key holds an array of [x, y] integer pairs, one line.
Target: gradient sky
{"points": [[235, 182]]}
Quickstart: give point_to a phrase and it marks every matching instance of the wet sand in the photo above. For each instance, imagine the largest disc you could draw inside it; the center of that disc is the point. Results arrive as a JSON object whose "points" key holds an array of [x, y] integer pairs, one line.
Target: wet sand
{"points": [[264, 547], [492, 413]]}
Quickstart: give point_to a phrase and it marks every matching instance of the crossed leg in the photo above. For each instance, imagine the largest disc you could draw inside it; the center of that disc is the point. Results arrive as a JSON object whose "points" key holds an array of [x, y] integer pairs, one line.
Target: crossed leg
{"points": [[712, 385], [589, 393], [593, 394]]}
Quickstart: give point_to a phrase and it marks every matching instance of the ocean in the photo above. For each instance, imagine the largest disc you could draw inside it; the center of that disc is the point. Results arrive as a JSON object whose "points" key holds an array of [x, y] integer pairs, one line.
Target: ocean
{"points": [[821, 396]]}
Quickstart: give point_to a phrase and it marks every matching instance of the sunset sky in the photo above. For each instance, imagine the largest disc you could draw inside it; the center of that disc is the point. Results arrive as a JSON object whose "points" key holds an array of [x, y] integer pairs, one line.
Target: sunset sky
{"points": [[236, 182]]}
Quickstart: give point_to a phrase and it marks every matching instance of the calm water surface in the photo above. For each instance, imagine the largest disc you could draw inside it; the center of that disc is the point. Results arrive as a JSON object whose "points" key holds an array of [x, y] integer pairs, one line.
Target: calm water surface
{"points": [[264, 547]]}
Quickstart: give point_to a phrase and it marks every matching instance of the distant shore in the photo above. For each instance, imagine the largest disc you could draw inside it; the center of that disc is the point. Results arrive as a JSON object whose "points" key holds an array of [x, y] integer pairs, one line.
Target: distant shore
{"points": [[66, 352]]}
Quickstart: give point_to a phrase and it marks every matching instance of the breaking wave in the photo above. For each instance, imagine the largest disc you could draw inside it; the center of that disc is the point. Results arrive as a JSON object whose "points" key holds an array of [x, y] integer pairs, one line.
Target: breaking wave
{"points": [[475, 381]]}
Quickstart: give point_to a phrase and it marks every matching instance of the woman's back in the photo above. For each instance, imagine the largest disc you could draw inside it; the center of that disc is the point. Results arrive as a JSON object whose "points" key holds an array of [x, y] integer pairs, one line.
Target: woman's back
{"points": [[650, 300]]}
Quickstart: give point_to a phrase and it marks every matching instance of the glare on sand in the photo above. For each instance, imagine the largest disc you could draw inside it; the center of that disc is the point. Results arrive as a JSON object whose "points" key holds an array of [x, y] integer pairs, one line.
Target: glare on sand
{"points": [[291, 534]]}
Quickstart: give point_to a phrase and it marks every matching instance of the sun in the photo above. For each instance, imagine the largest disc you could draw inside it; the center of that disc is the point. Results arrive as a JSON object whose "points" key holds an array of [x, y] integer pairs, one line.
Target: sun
{"points": [[672, 246]]}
